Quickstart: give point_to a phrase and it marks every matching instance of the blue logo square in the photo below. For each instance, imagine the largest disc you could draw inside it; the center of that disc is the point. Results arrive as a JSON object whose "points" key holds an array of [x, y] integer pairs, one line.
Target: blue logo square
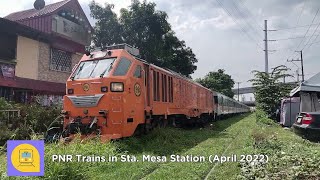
{"points": [[25, 158]]}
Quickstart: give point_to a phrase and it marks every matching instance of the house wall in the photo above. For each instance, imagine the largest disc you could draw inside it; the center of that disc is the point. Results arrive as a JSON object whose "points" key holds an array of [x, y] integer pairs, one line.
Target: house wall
{"points": [[27, 58], [44, 73]]}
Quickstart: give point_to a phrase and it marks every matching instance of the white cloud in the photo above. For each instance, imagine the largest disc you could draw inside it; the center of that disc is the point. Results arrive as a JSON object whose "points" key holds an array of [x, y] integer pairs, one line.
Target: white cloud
{"points": [[7, 7]]}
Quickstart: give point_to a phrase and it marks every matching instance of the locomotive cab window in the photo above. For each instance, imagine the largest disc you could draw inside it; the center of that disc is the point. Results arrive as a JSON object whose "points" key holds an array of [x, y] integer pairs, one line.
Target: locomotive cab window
{"points": [[93, 69], [137, 72], [123, 67]]}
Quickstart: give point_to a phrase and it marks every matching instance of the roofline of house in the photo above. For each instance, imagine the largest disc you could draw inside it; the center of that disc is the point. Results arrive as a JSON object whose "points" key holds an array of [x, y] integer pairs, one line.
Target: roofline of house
{"points": [[15, 28]]}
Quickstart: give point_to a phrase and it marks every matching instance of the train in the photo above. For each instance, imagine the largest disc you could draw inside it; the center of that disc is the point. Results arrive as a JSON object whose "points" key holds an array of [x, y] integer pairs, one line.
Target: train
{"points": [[112, 93]]}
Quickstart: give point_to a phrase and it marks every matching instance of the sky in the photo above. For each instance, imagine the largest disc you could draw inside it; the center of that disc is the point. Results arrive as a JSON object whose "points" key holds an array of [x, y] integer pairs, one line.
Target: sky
{"points": [[228, 34]]}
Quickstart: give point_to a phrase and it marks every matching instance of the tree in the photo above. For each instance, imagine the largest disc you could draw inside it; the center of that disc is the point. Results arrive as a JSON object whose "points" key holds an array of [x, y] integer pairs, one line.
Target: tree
{"points": [[146, 28], [269, 89], [218, 81], [107, 29]]}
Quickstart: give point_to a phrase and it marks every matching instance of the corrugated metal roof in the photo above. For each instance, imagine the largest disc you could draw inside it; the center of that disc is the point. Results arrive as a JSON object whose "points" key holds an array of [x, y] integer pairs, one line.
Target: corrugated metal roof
{"points": [[31, 13], [36, 85], [11, 27]]}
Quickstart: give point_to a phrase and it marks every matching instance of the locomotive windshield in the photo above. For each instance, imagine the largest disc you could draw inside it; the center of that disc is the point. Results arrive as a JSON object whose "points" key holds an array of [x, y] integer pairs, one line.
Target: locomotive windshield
{"points": [[93, 69]]}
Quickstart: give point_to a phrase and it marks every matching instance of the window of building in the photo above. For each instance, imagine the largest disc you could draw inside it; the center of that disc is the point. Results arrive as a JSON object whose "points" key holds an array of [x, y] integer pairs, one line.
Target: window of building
{"points": [[60, 60], [137, 72], [122, 67]]}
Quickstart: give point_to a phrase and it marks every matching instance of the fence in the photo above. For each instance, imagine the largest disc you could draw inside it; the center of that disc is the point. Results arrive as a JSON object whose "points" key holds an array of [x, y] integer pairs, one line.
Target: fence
{"points": [[6, 116]]}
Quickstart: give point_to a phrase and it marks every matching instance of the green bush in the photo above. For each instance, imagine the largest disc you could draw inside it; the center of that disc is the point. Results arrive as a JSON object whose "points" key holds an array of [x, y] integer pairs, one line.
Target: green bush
{"points": [[289, 157], [39, 117], [34, 119], [4, 105], [262, 118]]}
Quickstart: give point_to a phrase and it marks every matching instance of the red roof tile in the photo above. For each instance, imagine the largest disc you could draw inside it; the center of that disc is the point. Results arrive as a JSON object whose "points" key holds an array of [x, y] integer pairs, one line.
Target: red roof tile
{"points": [[31, 13]]}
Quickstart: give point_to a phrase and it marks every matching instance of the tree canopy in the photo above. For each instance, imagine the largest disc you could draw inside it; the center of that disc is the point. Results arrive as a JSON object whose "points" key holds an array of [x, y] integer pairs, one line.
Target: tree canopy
{"points": [[142, 26], [218, 81], [269, 89]]}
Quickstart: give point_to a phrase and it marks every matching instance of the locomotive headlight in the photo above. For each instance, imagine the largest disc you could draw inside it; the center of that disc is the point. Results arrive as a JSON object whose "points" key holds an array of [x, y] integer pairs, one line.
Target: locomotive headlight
{"points": [[117, 87]]}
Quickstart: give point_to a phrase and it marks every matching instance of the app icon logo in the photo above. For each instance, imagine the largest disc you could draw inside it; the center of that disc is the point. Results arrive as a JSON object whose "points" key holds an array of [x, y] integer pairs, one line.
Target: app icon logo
{"points": [[25, 158]]}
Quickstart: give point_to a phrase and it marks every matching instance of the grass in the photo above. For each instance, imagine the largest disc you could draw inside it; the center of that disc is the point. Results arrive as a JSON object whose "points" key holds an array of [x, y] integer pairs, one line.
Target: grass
{"points": [[237, 135]]}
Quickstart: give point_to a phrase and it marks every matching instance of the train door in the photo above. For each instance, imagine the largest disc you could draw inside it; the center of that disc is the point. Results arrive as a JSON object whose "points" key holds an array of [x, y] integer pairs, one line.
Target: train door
{"points": [[147, 81], [135, 99]]}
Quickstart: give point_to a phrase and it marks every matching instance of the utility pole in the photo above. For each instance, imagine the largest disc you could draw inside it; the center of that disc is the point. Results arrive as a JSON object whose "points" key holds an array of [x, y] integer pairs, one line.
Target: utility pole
{"points": [[266, 46], [238, 90], [301, 60], [298, 76]]}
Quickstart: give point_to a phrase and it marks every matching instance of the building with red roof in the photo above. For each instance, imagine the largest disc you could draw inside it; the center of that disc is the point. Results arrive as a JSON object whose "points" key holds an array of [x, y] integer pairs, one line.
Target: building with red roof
{"points": [[38, 49]]}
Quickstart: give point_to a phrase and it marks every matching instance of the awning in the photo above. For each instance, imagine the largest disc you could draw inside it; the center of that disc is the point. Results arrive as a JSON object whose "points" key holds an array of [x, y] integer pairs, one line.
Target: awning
{"points": [[310, 85], [36, 85]]}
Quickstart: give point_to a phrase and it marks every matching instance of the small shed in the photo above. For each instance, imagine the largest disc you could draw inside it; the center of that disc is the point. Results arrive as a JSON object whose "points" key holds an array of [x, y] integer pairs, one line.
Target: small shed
{"points": [[309, 93]]}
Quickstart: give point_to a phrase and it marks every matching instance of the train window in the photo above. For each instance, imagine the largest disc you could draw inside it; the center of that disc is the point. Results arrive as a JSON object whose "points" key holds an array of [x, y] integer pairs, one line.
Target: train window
{"points": [[162, 83], [158, 87], [93, 69], [207, 99], [137, 72], [122, 67], [215, 98], [164, 87], [154, 86], [170, 89]]}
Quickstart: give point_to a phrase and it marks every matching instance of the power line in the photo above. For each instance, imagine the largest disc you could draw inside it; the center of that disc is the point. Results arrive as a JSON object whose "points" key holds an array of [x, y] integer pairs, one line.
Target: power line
{"points": [[313, 42], [243, 18], [246, 9], [311, 36], [301, 60], [301, 12], [237, 8], [306, 31], [242, 29], [302, 9], [290, 38], [295, 27]]}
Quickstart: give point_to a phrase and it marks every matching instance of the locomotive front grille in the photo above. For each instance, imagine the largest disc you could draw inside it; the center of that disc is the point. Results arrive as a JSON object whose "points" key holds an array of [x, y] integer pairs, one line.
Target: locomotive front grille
{"points": [[85, 101]]}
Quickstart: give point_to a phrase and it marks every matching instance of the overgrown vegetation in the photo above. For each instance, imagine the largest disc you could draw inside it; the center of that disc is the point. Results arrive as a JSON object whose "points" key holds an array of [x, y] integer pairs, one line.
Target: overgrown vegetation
{"points": [[34, 119], [269, 89], [142, 26], [290, 157], [262, 118]]}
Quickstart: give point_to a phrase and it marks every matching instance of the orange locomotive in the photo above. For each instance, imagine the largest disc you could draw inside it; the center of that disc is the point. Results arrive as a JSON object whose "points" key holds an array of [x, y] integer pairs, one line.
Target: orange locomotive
{"points": [[115, 94]]}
